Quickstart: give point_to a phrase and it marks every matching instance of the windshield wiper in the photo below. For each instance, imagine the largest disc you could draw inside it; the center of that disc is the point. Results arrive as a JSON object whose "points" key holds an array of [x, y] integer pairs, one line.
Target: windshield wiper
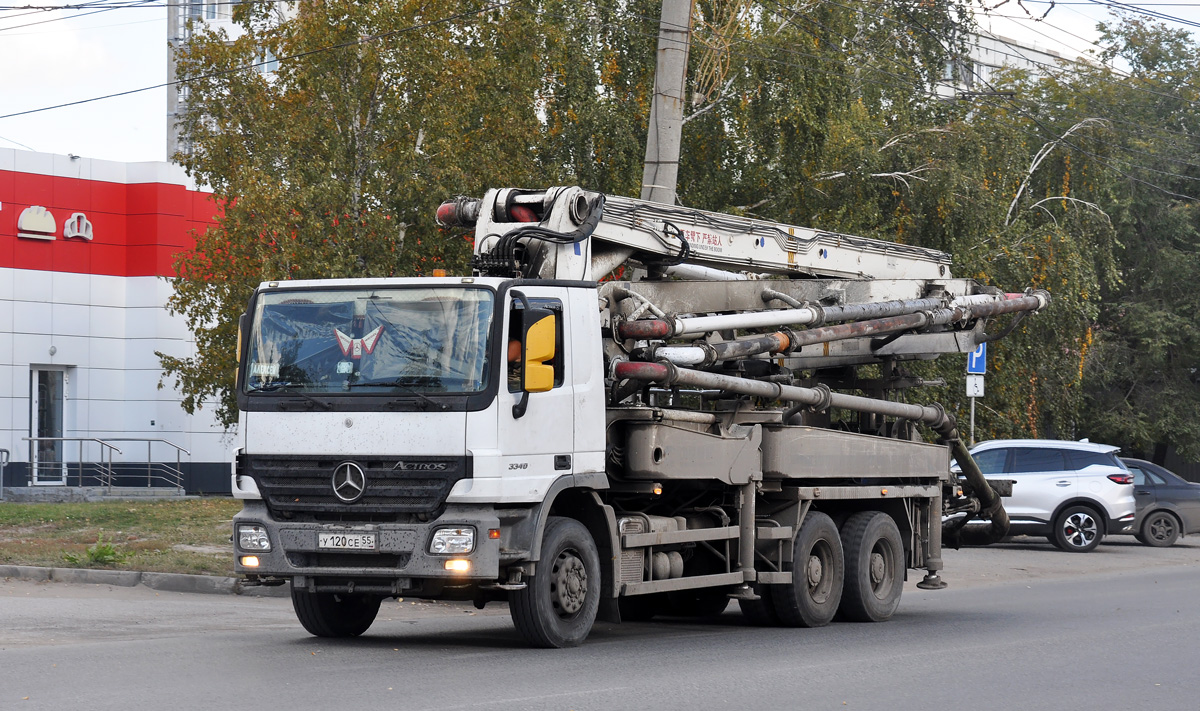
{"points": [[284, 385], [403, 387]]}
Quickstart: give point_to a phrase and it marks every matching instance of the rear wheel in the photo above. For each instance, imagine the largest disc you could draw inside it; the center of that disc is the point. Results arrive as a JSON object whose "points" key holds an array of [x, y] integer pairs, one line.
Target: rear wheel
{"points": [[1160, 529], [874, 567], [1077, 529], [559, 603], [335, 614], [811, 600]]}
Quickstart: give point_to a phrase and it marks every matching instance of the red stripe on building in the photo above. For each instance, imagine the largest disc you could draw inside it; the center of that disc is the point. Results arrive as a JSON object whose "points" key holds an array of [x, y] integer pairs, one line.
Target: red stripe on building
{"points": [[137, 228]]}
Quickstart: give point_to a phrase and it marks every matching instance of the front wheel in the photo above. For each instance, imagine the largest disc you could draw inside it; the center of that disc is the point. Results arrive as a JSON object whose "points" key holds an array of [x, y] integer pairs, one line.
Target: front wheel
{"points": [[1160, 529], [335, 614], [811, 600], [558, 604], [1077, 529], [874, 567]]}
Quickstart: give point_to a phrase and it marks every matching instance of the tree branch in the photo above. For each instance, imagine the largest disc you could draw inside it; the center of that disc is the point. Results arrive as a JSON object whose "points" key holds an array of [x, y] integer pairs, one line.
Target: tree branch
{"points": [[1041, 156]]}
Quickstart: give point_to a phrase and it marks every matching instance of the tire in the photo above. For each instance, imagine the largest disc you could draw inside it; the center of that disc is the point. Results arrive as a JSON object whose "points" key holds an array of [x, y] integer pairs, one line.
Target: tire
{"points": [[335, 614], [875, 566], [1160, 529], [559, 603], [760, 612], [817, 575], [1077, 529]]}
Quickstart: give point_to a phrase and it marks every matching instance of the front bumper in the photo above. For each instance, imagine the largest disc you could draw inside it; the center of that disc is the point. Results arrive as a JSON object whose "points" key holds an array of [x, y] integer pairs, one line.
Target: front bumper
{"points": [[401, 555]]}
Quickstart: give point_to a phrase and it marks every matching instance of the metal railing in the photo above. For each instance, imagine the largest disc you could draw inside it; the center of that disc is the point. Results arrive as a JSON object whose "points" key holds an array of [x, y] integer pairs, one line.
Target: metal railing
{"points": [[158, 470], [104, 470]]}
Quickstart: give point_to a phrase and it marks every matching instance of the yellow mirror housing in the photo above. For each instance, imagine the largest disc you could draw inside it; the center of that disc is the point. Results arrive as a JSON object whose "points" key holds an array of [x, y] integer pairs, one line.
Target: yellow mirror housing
{"points": [[539, 348]]}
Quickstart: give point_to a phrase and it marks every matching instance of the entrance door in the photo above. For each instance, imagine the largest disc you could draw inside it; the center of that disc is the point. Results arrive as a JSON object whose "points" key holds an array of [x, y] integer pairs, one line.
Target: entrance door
{"points": [[49, 390]]}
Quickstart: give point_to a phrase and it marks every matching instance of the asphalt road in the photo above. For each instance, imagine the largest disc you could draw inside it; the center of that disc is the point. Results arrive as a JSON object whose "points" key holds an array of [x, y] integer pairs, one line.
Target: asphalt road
{"points": [[1022, 626]]}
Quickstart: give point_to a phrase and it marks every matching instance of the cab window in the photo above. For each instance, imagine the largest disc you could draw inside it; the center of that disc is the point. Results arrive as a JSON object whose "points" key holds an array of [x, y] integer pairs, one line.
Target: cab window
{"points": [[514, 357]]}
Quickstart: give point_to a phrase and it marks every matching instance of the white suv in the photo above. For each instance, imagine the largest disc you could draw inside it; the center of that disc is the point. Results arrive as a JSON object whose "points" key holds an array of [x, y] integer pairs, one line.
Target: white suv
{"points": [[1071, 492]]}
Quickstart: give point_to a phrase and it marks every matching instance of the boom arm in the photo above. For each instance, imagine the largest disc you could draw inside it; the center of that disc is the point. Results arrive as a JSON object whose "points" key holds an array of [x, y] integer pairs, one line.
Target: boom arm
{"points": [[662, 236]]}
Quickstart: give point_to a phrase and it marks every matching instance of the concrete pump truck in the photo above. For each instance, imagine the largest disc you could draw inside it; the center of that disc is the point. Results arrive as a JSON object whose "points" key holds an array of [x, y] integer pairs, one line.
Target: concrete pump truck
{"points": [[721, 419]]}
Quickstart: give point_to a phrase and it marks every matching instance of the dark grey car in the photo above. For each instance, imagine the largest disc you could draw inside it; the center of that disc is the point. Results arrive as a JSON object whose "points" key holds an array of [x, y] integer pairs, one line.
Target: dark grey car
{"points": [[1167, 505]]}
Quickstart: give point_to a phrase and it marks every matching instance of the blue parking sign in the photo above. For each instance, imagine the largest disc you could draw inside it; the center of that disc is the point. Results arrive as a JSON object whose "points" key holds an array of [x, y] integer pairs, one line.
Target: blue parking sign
{"points": [[977, 360]]}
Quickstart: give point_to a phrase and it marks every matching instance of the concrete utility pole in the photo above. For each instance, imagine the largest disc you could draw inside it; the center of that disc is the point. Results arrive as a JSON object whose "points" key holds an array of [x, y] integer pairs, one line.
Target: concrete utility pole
{"points": [[661, 172]]}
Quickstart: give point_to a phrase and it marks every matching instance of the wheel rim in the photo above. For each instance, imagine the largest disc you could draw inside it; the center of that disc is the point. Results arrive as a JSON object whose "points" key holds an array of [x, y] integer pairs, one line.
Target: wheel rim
{"points": [[1162, 527], [882, 569], [1080, 529], [818, 575], [568, 583]]}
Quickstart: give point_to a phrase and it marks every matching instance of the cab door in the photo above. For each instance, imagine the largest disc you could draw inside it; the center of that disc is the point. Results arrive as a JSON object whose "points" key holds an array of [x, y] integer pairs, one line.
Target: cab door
{"points": [[536, 429]]}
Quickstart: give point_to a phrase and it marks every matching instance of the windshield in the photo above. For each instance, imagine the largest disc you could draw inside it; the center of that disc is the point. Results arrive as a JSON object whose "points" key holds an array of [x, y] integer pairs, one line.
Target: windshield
{"points": [[423, 340]]}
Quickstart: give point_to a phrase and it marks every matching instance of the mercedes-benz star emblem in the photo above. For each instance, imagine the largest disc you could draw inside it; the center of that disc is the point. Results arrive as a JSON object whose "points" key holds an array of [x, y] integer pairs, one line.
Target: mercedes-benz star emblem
{"points": [[349, 482]]}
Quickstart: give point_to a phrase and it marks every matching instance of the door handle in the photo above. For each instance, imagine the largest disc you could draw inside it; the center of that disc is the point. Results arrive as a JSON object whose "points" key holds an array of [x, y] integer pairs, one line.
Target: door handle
{"points": [[1142, 493], [1062, 482]]}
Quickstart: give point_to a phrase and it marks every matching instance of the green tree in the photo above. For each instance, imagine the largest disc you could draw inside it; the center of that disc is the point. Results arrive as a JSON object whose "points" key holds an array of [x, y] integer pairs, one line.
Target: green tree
{"points": [[333, 165]]}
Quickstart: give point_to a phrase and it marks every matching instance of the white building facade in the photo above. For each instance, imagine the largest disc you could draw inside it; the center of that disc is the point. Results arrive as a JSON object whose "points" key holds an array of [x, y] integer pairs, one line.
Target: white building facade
{"points": [[86, 255]]}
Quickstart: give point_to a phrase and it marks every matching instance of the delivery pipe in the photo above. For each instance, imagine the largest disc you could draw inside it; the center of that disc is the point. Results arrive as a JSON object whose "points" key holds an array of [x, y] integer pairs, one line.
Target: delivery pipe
{"points": [[991, 506], [870, 318], [805, 315], [705, 354], [820, 398]]}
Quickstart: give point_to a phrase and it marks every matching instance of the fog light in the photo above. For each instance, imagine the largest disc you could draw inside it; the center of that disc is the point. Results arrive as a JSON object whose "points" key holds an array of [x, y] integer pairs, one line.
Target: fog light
{"points": [[250, 561], [253, 538], [452, 541], [458, 566]]}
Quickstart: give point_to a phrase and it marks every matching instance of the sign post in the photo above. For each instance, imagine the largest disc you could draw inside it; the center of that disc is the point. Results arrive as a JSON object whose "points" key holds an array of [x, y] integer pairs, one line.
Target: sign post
{"points": [[976, 367]]}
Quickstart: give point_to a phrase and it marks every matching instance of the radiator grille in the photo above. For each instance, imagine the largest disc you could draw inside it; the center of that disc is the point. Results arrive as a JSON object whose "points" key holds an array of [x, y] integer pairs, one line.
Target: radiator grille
{"points": [[304, 484]]}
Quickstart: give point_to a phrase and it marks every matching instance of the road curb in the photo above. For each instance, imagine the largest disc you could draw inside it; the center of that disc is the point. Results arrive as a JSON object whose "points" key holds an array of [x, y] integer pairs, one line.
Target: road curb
{"points": [[167, 582]]}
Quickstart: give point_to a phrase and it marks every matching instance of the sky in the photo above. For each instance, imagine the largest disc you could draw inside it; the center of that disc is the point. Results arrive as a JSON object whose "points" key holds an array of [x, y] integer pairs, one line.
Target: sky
{"points": [[71, 56]]}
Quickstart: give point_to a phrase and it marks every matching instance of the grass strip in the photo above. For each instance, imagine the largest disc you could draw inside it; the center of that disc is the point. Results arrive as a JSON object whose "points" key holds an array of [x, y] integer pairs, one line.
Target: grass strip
{"points": [[189, 536]]}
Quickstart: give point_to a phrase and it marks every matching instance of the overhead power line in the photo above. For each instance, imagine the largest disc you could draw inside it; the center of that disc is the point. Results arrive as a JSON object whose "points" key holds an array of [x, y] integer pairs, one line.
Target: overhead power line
{"points": [[255, 65]]}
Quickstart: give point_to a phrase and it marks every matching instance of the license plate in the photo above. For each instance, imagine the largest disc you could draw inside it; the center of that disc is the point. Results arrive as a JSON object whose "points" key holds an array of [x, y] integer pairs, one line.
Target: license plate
{"points": [[347, 541]]}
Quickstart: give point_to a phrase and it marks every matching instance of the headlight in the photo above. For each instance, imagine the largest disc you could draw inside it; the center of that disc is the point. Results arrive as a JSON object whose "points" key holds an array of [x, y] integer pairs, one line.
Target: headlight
{"points": [[452, 541], [253, 538]]}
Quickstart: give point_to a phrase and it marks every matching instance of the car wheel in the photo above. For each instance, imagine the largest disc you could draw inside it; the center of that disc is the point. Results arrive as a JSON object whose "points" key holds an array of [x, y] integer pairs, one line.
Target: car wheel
{"points": [[1160, 529], [1078, 529]]}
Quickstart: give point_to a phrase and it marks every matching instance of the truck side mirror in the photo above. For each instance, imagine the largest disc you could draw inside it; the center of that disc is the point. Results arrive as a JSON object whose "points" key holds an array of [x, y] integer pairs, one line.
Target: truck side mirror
{"points": [[537, 327], [537, 331]]}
